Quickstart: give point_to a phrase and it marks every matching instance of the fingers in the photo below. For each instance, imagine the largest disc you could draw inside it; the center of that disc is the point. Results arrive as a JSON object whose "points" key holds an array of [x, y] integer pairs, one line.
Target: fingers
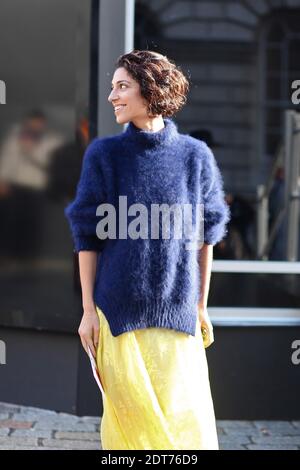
{"points": [[84, 345], [88, 342], [92, 348], [96, 338], [89, 334]]}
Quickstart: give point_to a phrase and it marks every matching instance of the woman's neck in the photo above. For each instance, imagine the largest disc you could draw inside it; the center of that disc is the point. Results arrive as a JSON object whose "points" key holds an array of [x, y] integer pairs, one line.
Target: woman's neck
{"points": [[149, 124]]}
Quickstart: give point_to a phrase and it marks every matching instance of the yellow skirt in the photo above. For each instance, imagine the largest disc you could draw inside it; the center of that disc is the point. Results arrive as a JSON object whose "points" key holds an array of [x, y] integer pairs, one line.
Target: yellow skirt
{"points": [[157, 393]]}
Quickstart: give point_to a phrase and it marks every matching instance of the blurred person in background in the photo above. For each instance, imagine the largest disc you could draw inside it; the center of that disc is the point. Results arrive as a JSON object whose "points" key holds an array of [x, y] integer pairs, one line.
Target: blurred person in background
{"points": [[24, 161]]}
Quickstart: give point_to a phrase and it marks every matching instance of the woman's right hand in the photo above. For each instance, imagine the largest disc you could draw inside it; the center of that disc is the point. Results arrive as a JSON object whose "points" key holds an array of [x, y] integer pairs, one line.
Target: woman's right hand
{"points": [[89, 330]]}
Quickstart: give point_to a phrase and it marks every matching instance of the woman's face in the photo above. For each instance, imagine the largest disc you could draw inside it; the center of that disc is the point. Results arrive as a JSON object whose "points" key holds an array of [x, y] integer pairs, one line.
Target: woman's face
{"points": [[126, 98]]}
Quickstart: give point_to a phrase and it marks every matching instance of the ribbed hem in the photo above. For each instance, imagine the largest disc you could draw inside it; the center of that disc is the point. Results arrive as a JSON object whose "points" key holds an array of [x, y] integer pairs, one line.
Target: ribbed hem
{"points": [[122, 316]]}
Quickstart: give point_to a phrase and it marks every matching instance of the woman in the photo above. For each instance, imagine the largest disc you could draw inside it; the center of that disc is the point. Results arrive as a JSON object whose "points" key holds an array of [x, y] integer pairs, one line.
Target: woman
{"points": [[143, 302]]}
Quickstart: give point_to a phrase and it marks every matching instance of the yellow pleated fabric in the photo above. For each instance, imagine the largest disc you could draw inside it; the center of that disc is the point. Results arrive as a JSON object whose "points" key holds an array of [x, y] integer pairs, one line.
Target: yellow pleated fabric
{"points": [[157, 390]]}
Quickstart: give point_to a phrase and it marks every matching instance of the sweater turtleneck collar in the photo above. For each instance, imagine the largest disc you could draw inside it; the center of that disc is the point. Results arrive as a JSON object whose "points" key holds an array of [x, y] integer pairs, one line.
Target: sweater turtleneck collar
{"points": [[164, 136]]}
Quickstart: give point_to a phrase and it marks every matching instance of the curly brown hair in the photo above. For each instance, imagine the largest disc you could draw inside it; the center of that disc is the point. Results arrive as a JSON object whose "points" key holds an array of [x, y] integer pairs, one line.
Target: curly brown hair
{"points": [[162, 83]]}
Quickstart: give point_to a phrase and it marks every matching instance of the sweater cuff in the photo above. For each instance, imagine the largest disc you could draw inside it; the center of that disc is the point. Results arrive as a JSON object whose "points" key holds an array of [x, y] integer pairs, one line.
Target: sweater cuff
{"points": [[216, 226], [87, 243], [215, 235]]}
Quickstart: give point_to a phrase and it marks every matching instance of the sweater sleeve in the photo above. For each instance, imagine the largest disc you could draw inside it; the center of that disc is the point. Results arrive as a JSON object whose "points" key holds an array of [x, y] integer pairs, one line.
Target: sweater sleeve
{"points": [[81, 212], [216, 210]]}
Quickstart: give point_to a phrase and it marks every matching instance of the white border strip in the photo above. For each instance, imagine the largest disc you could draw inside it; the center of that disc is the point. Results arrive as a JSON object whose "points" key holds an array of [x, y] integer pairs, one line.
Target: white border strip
{"points": [[272, 267]]}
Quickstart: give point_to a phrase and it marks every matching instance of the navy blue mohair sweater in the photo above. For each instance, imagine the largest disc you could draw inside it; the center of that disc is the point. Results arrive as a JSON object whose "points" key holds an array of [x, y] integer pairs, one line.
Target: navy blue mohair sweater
{"points": [[146, 282]]}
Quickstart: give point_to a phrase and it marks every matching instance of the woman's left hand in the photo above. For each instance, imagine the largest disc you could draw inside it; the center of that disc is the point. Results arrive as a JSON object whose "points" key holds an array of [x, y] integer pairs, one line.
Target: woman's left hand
{"points": [[206, 324]]}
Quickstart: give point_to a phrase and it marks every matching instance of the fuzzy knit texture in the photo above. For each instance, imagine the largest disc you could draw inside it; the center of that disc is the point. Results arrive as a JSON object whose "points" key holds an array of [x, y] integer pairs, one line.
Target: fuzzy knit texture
{"points": [[142, 281]]}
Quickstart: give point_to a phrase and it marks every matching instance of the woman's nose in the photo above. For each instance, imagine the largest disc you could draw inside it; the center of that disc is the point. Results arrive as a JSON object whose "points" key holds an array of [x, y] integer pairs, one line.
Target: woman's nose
{"points": [[112, 96]]}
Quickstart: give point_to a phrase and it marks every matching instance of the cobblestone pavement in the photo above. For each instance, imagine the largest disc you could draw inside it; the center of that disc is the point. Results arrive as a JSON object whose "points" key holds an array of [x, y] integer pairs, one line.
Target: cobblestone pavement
{"points": [[33, 428]]}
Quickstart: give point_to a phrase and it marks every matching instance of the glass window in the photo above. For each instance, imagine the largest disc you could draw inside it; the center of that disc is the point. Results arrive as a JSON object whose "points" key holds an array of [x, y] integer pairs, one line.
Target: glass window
{"points": [[44, 128]]}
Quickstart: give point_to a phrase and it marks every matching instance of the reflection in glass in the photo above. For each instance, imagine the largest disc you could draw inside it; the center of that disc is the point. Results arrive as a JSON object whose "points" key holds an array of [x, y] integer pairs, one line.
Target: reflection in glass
{"points": [[24, 162]]}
